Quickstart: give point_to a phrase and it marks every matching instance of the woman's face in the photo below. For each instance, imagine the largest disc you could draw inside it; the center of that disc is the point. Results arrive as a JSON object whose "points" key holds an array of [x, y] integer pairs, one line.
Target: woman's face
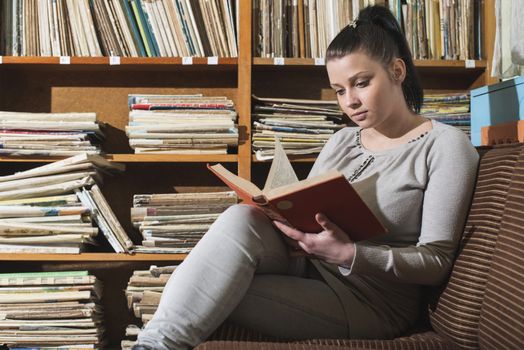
{"points": [[365, 90]]}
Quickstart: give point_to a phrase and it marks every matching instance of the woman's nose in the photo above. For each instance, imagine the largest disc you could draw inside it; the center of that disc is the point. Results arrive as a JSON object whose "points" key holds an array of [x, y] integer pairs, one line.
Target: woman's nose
{"points": [[352, 101]]}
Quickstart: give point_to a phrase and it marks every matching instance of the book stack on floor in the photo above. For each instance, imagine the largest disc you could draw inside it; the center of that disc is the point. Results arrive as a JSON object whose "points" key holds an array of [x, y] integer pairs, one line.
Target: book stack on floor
{"points": [[452, 109], [48, 134], [181, 124], [175, 222], [47, 310], [143, 294], [53, 208], [302, 126]]}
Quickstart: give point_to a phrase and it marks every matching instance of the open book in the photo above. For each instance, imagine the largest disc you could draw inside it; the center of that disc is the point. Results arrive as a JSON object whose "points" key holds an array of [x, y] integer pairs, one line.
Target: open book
{"points": [[287, 199]]}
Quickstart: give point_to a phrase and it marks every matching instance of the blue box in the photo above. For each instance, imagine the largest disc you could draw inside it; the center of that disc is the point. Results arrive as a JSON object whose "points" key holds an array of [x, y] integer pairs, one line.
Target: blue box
{"points": [[496, 104]]}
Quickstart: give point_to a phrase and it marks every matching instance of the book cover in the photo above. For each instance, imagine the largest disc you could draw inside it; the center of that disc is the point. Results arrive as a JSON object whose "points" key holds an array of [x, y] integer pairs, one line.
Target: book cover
{"points": [[297, 202]]}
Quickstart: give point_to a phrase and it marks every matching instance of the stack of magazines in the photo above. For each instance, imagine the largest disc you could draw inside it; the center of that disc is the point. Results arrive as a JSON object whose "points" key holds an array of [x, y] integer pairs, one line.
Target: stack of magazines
{"points": [[143, 294], [48, 310], [175, 222], [52, 208], [302, 126], [452, 109], [48, 134], [181, 124]]}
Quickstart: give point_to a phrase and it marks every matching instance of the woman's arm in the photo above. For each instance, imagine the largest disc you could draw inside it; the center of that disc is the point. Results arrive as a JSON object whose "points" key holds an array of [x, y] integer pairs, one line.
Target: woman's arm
{"points": [[452, 169]]}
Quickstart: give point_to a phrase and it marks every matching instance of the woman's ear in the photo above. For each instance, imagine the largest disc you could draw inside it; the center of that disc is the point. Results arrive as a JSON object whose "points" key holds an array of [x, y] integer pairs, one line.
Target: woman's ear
{"points": [[398, 70]]}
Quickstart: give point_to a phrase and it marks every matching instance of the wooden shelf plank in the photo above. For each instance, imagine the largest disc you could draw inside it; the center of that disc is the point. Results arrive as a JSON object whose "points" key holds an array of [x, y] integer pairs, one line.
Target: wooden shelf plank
{"points": [[92, 257], [168, 158], [38, 60], [292, 159], [478, 64], [136, 158]]}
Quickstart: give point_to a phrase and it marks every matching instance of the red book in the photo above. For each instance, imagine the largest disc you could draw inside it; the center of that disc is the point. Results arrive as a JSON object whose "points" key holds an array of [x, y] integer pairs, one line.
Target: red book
{"points": [[297, 203]]}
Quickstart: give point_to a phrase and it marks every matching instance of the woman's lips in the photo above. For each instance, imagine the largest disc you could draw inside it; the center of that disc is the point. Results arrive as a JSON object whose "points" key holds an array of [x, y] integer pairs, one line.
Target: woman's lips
{"points": [[360, 116]]}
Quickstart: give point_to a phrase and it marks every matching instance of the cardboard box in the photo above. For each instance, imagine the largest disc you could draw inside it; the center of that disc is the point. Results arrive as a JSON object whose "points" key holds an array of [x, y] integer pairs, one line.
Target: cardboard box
{"points": [[503, 133], [496, 104]]}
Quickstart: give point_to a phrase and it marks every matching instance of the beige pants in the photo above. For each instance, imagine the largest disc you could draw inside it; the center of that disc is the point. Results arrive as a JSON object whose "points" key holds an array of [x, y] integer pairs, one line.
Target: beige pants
{"points": [[241, 270]]}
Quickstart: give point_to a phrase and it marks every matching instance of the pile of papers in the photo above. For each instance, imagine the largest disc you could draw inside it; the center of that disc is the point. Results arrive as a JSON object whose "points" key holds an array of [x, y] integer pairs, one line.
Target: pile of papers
{"points": [[181, 124], [143, 294], [48, 134], [302, 126], [175, 222], [56, 208], [47, 310], [452, 109]]}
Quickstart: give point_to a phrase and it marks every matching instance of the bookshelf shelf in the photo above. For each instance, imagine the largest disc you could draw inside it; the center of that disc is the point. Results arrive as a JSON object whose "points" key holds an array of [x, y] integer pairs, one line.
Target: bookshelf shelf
{"points": [[137, 158], [293, 159], [93, 257], [453, 64], [169, 158], [458, 64], [263, 61], [106, 61]]}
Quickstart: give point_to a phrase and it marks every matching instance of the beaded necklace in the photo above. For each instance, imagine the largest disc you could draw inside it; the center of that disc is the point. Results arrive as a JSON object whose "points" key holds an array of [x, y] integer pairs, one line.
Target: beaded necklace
{"points": [[370, 159]]}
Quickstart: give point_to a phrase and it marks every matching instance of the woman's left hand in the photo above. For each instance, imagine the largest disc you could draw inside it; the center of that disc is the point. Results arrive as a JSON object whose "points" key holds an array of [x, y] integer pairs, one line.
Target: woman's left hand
{"points": [[331, 244]]}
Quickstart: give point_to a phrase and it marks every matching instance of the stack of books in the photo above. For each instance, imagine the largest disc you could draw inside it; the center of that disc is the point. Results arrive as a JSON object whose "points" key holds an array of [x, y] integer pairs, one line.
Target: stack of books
{"points": [[181, 124], [48, 134], [48, 310], [441, 29], [175, 222], [143, 294], [119, 28], [452, 109], [304, 28], [302, 126], [300, 28], [52, 208]]}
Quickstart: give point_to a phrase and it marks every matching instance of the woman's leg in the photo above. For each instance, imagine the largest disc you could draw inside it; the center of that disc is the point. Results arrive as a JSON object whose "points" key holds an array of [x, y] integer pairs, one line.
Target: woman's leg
{"points": [[289, 307], [213, 279]]}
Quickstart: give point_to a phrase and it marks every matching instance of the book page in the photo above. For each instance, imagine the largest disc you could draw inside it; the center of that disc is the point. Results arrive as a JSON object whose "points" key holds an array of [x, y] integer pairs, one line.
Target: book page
{"points": [[281, 172]]}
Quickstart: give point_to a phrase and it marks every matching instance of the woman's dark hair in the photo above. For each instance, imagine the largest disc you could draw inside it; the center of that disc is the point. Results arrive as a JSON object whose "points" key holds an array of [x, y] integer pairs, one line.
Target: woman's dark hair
{"points": [[377, 33]]}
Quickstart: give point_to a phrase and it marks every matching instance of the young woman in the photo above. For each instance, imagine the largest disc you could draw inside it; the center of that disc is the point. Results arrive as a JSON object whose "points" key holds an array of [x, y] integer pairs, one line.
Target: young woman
{"points": [[417, 175]]}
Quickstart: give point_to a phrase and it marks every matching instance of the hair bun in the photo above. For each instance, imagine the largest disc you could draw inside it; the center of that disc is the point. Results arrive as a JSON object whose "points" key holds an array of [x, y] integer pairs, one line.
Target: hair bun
{"points": [[379, 16]]}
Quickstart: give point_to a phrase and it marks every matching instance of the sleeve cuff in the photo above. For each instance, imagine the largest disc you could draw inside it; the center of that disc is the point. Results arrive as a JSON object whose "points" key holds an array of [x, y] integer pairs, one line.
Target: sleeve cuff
{"points": [[345, 270]]}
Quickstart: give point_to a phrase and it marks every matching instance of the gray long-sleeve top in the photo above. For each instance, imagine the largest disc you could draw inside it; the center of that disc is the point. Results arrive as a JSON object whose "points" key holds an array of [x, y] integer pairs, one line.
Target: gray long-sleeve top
{"points": [[421, 192]]}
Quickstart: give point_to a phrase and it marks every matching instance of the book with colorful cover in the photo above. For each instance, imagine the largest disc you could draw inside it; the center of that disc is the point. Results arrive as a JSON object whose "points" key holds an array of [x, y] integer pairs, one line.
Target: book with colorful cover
{"points": [[144, 27], [133, 25]]}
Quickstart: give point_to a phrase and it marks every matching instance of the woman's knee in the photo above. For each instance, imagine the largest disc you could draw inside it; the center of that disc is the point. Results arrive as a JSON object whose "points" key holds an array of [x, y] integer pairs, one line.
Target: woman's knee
{"points": [[244, 214], [243, 222]]}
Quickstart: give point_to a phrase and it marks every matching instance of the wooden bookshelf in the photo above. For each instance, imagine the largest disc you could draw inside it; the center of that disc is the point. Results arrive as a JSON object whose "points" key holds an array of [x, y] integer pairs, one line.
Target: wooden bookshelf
{"points": [[85, 84]]}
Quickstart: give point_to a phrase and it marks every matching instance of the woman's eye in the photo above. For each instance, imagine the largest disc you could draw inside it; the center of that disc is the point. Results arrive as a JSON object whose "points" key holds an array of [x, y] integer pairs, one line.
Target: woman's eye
{"points": [[362, 83], [339, 92]]}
